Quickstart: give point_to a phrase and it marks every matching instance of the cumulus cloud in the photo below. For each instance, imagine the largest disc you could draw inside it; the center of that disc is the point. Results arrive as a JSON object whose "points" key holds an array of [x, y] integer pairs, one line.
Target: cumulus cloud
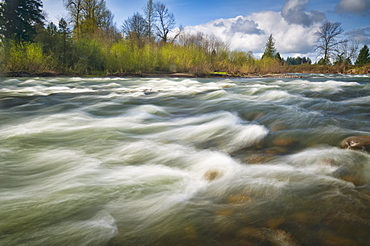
{"points": [[243, 25], [250, 33], [294, 11], [360, 7]]}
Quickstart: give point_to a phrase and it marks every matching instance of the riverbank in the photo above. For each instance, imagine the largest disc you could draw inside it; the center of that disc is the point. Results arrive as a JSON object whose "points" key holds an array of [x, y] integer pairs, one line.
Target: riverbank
{"points": [[277, 72], [150, 75]]}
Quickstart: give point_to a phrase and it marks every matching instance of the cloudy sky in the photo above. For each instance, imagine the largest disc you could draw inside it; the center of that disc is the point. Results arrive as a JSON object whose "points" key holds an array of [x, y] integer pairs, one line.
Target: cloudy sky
{"points": [[247, 24]]}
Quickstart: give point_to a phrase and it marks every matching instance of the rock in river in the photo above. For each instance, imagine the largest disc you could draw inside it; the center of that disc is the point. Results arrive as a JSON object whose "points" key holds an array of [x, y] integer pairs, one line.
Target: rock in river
{"points": [[356, 143]]}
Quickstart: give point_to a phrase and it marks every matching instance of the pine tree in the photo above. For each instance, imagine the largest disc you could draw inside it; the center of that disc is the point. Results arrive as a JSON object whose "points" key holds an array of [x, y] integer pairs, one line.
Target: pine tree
{"points": [[270, 51], [363, 56], [19, 19]]}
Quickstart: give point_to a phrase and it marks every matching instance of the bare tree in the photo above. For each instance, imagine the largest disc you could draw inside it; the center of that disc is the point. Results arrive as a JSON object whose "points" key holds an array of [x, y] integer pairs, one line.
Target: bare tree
{"points": [[347, 51], [328, 40], [135, 29], [75, 8], [209, 44], [150, 18], [165, 21]]}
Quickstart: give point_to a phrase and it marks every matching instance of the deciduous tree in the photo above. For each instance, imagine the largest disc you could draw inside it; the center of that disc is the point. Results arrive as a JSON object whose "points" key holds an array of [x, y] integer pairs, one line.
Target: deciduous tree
{"points": [[150, 19], [165, 21], [88, 16], [327, 43], [346, 52], [135, 28]]}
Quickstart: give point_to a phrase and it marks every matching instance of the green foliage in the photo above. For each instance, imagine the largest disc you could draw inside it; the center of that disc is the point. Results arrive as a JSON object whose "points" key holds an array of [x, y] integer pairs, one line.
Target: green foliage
{"points": [[298, 60], [364, 56], [19, 19], [89, 57], [270, 50], [27, 57], [92, 46], [324, 61], [267, 65], [88, 16]]}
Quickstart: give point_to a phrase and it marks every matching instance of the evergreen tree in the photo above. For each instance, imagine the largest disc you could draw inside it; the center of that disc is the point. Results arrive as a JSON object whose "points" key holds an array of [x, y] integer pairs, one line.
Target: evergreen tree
{"points": [[270, 51], [19, 19], [298, 60], [363, 56]]}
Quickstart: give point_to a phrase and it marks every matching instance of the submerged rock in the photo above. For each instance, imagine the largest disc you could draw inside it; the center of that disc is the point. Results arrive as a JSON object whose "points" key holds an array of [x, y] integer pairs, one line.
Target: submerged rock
{"points": [[285, 142], [356, 143], [265, 236], [238, 199], [212, 175], [353, 175], [259, 158]]}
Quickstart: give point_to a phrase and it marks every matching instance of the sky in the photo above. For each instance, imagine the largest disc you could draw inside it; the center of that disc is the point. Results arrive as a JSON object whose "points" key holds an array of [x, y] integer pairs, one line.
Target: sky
{"points": [[245, 25]]}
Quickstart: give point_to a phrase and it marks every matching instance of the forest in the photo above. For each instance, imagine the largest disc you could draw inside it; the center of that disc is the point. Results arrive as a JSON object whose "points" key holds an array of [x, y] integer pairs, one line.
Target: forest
{"points": [[89, 43]]}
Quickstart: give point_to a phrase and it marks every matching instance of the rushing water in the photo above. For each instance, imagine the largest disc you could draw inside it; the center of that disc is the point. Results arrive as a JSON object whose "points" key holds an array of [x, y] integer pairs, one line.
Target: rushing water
{"points": [[121, 161]]}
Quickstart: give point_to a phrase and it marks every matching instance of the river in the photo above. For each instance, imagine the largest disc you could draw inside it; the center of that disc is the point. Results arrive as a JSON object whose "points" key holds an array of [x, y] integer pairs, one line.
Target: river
{"points": [[179, 161]]}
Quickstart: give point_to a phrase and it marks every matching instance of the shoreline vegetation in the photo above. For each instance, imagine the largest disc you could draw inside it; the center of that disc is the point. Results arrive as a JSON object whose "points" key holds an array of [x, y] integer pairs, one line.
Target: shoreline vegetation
{"points": [[287, 71], [88, 43]]}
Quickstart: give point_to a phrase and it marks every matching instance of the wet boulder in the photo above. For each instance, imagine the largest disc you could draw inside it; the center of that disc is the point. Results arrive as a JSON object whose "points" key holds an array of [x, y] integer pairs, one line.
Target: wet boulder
{"points": [[356, 143]]}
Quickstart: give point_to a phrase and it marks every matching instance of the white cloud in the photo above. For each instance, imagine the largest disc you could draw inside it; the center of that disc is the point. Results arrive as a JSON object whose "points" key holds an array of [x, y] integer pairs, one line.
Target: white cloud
{"points": [[250, 33], [361, 7]]}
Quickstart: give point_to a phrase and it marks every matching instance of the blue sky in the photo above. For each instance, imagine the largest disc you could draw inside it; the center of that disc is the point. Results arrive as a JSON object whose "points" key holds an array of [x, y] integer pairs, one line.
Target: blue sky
{"points": [[246, 24]]}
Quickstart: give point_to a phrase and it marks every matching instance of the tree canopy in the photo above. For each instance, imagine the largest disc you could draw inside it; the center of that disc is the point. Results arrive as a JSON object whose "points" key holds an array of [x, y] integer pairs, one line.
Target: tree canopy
{"points": [[270, 50], [19, 19], [88, 16], [87, 42], [364, 56]]}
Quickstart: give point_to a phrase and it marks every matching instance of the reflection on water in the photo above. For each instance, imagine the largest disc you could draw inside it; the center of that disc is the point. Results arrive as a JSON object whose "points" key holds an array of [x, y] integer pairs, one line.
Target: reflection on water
{"points": [[113, 161]]}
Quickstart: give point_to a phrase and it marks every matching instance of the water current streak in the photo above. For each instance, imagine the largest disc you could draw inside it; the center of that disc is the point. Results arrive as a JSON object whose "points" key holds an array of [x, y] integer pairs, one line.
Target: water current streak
{"points": [[121, 161]]}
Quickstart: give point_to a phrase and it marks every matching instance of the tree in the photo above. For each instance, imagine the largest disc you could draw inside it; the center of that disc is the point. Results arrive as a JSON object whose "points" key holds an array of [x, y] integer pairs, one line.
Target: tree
{"points": [[19, 19], [88, 16], [298, 60], [346, 52], [149, 18], [209, 44], [364, 56], [65, 32], [75, 8], [270, 50], [328, 40], [135, 28], [165, 21]]}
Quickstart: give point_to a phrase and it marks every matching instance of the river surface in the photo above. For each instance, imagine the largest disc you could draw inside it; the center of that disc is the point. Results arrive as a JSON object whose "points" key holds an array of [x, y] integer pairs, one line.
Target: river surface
{"points": [[156, 161]]}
